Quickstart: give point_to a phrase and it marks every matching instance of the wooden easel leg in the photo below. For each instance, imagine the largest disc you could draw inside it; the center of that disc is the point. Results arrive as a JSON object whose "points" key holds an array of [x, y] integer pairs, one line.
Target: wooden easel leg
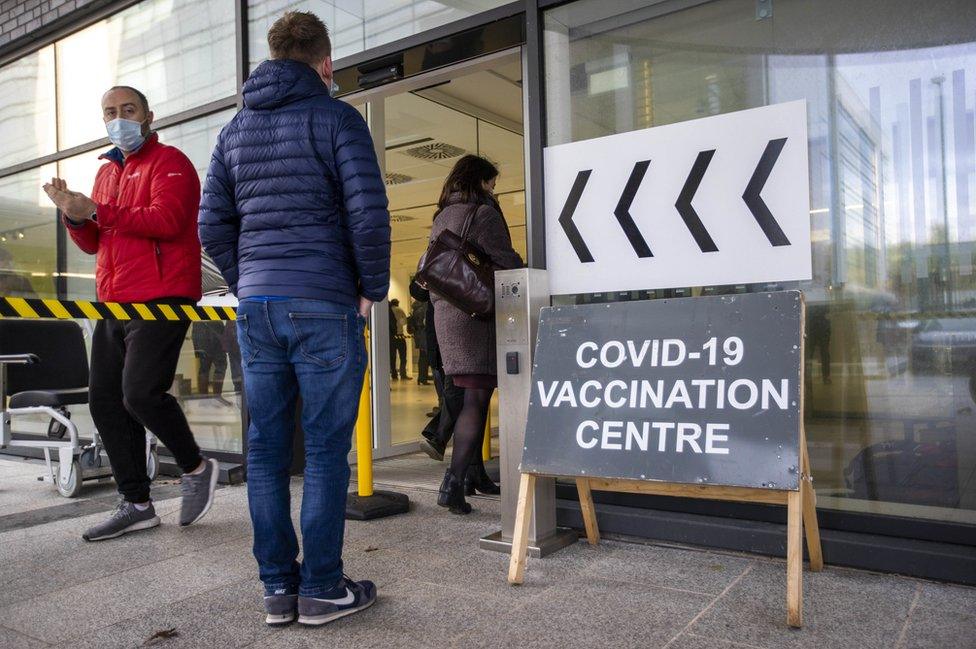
{"points": [[810, 525], [520, 539], [794, 560], [587, 510]]}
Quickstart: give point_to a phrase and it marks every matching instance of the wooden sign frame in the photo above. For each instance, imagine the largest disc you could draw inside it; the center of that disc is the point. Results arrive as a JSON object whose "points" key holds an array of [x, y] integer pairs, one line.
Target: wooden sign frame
{"points": [[801, 508]]}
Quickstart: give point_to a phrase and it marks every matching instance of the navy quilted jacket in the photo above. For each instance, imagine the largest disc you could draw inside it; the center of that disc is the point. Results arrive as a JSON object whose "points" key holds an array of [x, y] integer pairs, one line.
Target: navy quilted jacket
{"points": [[294, 204]]}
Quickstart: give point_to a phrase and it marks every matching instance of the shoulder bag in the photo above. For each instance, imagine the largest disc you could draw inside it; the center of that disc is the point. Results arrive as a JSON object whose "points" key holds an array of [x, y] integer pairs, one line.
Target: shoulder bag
{"points": [[459, 271]]}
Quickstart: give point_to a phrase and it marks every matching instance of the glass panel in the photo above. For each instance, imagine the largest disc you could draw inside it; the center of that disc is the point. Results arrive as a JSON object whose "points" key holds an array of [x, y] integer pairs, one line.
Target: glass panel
{"points": [[27, 127], [208, 375], [180, 53], [357, 25], [209, 371], [196, 139], [891, 329], [208, 385], [28, 238], [79, 172]]}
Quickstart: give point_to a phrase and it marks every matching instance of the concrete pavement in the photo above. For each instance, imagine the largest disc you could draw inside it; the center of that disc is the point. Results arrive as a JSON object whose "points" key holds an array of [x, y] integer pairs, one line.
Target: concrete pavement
{"points": [[197, 587]]}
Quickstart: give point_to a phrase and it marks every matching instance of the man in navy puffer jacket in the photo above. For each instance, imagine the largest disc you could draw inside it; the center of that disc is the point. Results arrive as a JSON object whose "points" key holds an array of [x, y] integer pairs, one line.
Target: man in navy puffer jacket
{"points": [[294, 213]]}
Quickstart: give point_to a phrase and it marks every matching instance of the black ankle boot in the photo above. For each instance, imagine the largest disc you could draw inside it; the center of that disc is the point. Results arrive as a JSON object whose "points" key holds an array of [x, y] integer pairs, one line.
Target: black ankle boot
{"points": [[451, 495], [477, 479]]}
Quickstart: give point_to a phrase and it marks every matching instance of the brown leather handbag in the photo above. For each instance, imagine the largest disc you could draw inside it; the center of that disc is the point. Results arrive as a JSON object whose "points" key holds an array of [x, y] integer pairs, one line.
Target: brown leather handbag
{"points": [[459, 271]]}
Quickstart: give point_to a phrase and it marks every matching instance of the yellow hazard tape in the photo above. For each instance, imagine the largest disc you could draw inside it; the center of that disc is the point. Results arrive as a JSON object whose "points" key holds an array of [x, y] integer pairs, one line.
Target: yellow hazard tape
{"points": [[18, 307]]}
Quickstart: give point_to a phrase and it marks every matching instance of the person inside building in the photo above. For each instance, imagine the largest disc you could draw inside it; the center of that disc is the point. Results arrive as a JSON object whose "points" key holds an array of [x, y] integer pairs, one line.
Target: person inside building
{"points": [[294, 214], [208, 347], [12, 283], [467, 345], [398, 341], [140, 221], [417, 328]]}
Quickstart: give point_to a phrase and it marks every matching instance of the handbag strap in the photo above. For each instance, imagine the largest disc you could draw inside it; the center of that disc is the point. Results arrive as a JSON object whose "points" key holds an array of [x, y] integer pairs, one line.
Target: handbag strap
{"points": [[466, 228]]}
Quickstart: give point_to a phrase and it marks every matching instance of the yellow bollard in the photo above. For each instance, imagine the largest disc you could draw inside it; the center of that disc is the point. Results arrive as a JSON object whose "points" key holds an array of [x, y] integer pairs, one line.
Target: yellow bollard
{"points": [[364, 435], [486, 446], [367, 504]]}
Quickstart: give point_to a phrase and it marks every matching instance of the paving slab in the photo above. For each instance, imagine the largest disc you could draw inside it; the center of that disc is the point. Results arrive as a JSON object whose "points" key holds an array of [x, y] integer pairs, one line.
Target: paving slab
{"points": [[596, 613], [681, 568], [691, 641], [937, 628], [10, 638], [838, 606], [227, 616], [98, 602], [64, 558]]}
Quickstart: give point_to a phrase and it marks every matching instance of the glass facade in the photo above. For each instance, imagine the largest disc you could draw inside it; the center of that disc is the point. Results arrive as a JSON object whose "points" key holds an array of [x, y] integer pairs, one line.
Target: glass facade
{"points": [[28, 241], [358, 25], [182, 55], [891, 329], [27, 126]]}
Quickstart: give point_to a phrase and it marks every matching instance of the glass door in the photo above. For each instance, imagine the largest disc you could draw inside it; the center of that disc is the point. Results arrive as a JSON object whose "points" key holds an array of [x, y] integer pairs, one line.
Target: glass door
{"points": [[420, 128]]}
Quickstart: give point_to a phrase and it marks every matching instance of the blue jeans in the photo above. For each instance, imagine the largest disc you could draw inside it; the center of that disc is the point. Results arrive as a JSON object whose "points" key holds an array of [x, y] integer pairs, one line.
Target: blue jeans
{"points": [[315, 349]]}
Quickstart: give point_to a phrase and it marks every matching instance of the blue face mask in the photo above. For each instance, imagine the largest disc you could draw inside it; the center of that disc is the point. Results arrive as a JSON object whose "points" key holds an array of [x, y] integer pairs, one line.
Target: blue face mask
{"points": [[125, 134]]}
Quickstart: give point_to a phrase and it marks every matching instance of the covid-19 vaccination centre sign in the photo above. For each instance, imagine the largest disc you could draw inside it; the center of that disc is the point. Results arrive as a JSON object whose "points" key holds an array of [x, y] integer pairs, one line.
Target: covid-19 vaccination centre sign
{"points": [[697, 390], [713, 201], [698, 397]]}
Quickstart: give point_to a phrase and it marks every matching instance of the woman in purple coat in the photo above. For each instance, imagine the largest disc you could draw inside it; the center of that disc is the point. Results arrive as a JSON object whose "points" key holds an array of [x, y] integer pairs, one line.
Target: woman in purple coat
{"points": [[467, 344]]}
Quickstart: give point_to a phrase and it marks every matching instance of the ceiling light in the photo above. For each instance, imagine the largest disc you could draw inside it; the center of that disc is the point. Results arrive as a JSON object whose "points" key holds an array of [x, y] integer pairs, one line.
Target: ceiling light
{"points": [[394, 178], [435, 151]]}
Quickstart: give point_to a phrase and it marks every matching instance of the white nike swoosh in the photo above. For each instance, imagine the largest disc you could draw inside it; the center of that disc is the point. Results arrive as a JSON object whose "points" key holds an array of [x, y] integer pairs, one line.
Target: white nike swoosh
{"points": [[345, 601]]}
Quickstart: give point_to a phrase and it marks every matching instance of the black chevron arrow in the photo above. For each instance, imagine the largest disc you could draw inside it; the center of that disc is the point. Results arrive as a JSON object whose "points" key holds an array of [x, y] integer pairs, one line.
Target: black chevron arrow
{"points": [[755, 202], [566, 217], [622, 212], [688, 213]]}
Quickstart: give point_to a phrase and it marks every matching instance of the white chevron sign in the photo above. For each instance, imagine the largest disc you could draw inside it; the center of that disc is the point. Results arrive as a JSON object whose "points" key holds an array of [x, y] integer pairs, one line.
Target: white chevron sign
{"points": [[718, 200]]}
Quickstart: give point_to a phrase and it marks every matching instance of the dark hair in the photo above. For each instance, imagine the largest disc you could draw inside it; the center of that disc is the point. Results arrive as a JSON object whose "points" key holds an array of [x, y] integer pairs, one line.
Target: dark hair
{"points": [[138, 93], [300, 35], [468, 178]]}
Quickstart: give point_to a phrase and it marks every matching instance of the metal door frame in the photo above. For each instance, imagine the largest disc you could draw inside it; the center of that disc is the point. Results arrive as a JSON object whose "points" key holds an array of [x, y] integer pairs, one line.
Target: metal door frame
{"points": [[373, 100]]}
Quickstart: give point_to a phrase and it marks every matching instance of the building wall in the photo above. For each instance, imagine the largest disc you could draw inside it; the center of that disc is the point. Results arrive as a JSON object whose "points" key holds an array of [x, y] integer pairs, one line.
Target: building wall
{"points": [[21, 18]]}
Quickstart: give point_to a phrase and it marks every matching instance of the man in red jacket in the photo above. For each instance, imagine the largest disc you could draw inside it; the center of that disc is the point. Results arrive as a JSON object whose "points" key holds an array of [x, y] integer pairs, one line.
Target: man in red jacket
{"points": [[141, 222]]}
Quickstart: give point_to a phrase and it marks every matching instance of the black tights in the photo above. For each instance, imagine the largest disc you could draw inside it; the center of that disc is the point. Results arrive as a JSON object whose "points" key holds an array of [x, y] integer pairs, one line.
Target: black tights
{"points": [[469, 429]]}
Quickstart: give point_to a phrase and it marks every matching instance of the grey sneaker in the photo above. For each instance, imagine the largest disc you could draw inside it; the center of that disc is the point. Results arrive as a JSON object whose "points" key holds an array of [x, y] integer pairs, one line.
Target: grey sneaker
{"points": [[280, 609], [126, 518], [356, 596], [198, 492]]}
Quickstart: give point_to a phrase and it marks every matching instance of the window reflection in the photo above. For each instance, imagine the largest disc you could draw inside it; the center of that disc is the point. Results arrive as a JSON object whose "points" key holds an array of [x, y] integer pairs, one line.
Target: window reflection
{"points": [[197, 138], [360, 24], [27, 108], [208, 375], [28, 249], [891, 323], [180, 53], [79, 172]]}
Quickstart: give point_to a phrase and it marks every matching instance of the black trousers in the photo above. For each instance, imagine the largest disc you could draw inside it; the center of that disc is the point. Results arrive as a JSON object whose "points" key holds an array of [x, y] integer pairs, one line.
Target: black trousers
{"points": [[133, 365], [423, 367], [398, 347], [208, 345]]}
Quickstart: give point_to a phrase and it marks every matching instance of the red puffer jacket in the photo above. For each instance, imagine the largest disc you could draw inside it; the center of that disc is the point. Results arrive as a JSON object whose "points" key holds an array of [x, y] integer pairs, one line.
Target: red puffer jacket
{"points": [[145, 232]]}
